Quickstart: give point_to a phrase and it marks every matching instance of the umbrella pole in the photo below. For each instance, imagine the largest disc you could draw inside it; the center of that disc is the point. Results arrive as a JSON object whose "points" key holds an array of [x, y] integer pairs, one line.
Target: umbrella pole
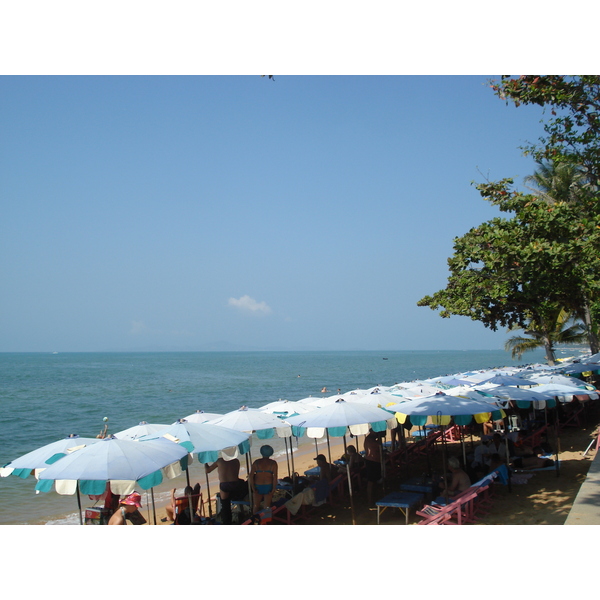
{"points": [[153, 505], [557, 437], [292, 457], [505, 420], [287, 457], [79, 504], [444, 459], [250, 493], [328, 446], [208, 493]]}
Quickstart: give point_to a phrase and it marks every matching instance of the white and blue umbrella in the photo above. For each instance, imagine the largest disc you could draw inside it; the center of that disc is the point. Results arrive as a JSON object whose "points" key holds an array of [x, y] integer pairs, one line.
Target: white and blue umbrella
{"points": [[339, 417], [501, 379], [201, 417], [564, 393], [285, 408], [253, 420], [43, 457], [559, 379], [139, 430], [122, 463], [576, 368], [208, 441], [442, 408]]}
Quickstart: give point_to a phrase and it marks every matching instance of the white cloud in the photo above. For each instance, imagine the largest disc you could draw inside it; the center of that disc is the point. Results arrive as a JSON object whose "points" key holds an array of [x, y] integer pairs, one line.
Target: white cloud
{"points": [[247, 304]]}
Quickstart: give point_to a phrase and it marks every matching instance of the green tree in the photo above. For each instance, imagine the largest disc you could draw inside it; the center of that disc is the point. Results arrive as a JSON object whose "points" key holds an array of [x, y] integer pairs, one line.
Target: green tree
{"points": [[558, 327], [506, 272], [573, 130]]}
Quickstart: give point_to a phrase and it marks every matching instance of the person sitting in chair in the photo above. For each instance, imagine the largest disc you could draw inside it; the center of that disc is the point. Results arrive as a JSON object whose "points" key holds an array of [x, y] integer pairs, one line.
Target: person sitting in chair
{"points": [[460, 480], [188, 491], [128, 507]]}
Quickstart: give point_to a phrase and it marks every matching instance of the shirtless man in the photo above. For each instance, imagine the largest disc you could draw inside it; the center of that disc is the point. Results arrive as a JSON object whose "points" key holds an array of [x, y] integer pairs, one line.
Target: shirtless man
{"points": [[460, 480], [229, 483], [128, 505], [263, 478]]}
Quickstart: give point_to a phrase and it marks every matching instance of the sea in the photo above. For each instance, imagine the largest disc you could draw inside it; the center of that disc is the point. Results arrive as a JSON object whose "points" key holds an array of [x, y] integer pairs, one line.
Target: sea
{"points": [[47, 396]]}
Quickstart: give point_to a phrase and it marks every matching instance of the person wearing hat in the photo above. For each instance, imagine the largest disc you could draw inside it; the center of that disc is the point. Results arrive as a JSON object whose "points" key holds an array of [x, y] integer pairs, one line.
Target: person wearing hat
{"points": [[263, 479], [127, 507], [324, 467]]}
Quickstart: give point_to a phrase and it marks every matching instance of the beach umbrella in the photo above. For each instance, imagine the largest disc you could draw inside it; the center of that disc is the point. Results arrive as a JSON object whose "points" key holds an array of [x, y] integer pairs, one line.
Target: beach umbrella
{"points": [[201, 417], [557, 378], [285, 408], [507, 380], [122, 463], [208, 441], [565, 393], [442, 408], [594, 358], [337, 419], [263, 424], [253, 420], [138, 431], [580, 368], [378, 399], [43, 457], [506, 393]]}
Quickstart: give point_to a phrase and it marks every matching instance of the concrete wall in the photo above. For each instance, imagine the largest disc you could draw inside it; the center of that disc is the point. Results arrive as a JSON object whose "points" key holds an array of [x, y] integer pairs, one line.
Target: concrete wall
{"points": [[586, 508]]}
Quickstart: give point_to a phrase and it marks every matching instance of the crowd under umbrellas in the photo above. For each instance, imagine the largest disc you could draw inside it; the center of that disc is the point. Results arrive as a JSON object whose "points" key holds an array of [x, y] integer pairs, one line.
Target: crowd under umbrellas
{"points": [[87, 465]]}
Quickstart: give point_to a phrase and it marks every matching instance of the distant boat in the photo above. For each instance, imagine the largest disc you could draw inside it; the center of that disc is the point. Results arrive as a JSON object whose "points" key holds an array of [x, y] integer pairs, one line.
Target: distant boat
{"points": [[385, 359]]}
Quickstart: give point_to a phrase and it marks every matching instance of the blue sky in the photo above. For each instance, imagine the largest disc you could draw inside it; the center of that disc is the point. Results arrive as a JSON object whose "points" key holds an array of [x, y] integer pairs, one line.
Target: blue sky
{"points": [[180, 212]]}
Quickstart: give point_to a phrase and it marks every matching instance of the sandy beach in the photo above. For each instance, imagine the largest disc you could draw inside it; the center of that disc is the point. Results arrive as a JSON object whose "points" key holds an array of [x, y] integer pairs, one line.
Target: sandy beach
{"points": [[544, 500]]}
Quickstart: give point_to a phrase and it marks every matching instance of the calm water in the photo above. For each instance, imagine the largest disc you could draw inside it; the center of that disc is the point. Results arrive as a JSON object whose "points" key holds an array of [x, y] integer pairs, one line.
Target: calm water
{"points": [[45, 397]]}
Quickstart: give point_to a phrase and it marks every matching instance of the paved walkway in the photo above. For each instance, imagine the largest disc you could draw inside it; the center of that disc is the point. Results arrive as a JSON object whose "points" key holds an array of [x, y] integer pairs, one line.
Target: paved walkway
{"points": [[586, 507]]}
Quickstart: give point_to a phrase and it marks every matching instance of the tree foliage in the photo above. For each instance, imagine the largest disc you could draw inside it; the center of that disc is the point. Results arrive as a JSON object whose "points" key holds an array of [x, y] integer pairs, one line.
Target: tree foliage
{"points": [[558, 327], [573, 131], [518, 271]]}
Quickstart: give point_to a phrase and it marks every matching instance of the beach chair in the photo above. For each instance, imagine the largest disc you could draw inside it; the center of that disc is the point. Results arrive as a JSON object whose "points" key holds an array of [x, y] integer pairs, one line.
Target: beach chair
{"points": [[182, 513]]}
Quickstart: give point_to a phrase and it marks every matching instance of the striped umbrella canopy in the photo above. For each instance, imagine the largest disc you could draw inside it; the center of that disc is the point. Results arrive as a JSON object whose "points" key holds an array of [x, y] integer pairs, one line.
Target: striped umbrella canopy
{"points": [[339, 417], [140, 430], [123, 463], [442, 408], [201, 417], [43, 457]]}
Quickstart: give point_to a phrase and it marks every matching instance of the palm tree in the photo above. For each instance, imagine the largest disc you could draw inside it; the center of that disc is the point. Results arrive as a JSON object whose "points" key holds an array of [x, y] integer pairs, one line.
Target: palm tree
{"points": [[558, 182], [568, 182], [558, 327]]}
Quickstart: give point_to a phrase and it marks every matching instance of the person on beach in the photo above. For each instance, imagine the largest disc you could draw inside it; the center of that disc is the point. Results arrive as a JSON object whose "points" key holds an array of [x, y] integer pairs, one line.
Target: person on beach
{"points": [[532, 462], [460, 480], [231, 487], [496, 446], [353, 458], [128, 506], [324, 468], [373, 457], [263, 479], [188, 491]]}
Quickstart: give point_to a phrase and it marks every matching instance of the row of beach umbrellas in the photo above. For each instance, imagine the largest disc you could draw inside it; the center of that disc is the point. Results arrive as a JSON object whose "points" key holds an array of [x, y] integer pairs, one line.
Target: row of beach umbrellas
{"points": [[146, 454]]}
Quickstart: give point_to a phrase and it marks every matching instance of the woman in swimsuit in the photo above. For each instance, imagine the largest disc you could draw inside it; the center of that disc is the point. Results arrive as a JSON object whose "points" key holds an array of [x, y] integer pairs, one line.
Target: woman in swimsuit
{"points": [[263, 478]]}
